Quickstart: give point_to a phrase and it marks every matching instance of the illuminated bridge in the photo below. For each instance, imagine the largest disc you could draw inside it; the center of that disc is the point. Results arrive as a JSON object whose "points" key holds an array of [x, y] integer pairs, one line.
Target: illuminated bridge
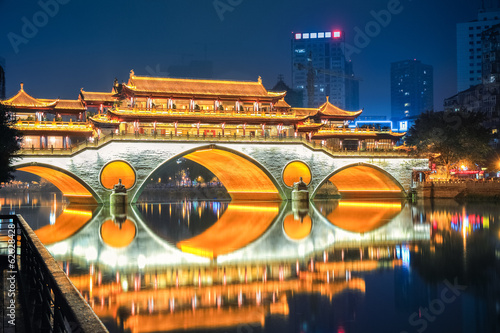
{"points": [[258, 169]]}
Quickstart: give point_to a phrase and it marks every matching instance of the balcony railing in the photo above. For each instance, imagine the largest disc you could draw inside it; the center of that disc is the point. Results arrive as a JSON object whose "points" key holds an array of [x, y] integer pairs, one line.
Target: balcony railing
{"points": [[171, 137], [50, 302], [25, 125]]}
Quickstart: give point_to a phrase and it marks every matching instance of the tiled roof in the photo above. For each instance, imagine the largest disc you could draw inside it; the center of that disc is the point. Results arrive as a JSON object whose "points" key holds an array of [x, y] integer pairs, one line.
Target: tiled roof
{"points": [[198, 87]]}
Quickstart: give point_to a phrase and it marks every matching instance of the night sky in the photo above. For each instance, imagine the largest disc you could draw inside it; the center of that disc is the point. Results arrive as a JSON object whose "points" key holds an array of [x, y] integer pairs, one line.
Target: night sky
{"points": [[89, 43]]}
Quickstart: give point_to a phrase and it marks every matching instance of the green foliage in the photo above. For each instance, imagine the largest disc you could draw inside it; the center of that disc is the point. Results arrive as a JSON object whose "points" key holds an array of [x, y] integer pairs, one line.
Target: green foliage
{"points": [[9, 145], [454, 136]]}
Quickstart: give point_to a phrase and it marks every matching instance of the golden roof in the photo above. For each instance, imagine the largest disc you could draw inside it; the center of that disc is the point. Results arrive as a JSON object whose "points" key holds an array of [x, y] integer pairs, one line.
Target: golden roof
{"points": [[97, 96], [66, 104], [282, 104], [330, 110], [22, 99], [193, 87], [305, 112]]}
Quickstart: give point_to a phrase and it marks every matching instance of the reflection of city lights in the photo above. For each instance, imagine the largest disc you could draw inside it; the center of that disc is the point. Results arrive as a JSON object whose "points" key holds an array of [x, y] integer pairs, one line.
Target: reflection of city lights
{"points": [[405, 256], [59, 249], [108, 258], [141, 261], [124, 285], [122, 260], [91, 254]]}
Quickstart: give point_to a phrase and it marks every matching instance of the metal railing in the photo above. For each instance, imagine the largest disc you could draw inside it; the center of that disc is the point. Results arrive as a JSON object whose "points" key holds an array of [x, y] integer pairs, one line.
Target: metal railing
{"points": [[51, 303], [171, 137]]}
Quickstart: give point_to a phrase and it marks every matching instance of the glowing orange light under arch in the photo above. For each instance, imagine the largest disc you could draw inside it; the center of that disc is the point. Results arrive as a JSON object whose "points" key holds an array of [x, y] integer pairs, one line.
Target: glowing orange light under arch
{"points": [[243, 179], [296, 229], [363, 180], [293, 171], [116, 170], [69, 186], [118, 236]]}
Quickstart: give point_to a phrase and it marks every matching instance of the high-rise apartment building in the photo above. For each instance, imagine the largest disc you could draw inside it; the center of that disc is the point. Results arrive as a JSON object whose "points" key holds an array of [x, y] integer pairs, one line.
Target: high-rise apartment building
{"points": [[2, 78], [320, 69], [412, 89], [469, 47]]}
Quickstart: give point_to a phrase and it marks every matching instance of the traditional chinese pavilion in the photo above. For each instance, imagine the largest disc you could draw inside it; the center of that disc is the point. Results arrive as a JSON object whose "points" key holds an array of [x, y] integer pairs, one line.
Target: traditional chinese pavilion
{"points": [[188, 107], [47, 123]]}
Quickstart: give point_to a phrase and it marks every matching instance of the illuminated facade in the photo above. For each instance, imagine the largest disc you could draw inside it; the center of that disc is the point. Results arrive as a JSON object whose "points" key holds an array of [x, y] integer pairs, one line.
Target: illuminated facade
{"points": [[2, 78], [470, 50], [48, 123], [187, 107], [320, 69]]}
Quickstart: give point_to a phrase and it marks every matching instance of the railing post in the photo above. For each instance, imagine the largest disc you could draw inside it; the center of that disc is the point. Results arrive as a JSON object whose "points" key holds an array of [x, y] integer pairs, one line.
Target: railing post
{"points": [[52, 149]]}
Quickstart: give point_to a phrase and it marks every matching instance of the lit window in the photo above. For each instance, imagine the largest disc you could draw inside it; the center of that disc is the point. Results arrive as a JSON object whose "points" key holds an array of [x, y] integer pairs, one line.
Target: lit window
{"points": [[321, 35], [298, 36], [336, 34], [314, 35], [328, 35], [305, 36]]}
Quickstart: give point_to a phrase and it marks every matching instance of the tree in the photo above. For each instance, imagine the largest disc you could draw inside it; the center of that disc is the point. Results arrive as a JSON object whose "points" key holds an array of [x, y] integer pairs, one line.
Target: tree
{"points": [[451, 137], [9, 144]]}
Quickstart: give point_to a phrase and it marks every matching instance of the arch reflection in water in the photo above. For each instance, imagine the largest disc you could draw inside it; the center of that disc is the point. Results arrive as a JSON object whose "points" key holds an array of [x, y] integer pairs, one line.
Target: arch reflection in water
{"points": [[151, 285], [68, 223], [240, 224], [360, 216], [118, 235]]}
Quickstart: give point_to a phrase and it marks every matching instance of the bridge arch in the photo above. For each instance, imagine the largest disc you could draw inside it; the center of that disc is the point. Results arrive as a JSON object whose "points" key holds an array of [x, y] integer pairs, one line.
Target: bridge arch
{"points": [[364, 180], [243, 177], [71, 186]]}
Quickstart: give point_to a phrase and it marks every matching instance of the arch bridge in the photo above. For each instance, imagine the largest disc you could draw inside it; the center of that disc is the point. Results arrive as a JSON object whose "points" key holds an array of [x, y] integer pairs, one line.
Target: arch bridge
{"points": [[250, 170]]}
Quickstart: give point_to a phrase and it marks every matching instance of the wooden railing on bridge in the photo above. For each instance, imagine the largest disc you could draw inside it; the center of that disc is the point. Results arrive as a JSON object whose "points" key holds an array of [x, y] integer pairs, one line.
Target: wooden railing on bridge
{"points": [[50, 302], [209, 139]]}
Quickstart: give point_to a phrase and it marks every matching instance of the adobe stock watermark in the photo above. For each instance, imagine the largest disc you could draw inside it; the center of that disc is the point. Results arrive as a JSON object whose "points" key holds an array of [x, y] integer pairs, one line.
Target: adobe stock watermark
{"points": [[29, 28], [156, 71], [373, 28], [420, 319], [223, 6], [11, 285]]}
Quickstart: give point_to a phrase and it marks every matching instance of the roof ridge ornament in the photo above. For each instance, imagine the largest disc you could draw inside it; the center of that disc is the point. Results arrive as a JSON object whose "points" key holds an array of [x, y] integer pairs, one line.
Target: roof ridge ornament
{"points": [[259, 79], [327, 99], [22, 86], [132, 73]]}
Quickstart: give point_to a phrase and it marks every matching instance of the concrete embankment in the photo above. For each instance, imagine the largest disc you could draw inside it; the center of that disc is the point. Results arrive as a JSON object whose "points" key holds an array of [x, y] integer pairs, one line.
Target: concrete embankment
{"points": [[466, 190]]}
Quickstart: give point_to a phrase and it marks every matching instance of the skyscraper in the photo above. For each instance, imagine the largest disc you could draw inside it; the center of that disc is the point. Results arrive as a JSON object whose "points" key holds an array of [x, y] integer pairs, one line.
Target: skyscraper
{"points": [[412, 89], [320, 69], [2, 78], [469, 47]]}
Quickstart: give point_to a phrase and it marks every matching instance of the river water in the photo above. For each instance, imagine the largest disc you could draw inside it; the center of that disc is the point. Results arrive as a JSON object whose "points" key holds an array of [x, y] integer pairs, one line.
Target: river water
{"points": [[331, 266]]}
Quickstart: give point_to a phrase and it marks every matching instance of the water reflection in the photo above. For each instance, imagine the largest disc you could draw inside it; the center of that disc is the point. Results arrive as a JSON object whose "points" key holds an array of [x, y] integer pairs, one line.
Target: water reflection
{"points": [[360, 215], [276, 266]]}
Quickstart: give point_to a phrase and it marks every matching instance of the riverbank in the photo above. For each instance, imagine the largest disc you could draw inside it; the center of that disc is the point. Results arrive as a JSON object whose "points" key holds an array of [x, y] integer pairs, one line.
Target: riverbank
{"points": [[460, 190], [182, 193]]}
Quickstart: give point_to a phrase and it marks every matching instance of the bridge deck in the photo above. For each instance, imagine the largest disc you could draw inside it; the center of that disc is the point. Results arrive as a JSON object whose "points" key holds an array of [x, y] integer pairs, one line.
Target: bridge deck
{"points": [[210, 139]]}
